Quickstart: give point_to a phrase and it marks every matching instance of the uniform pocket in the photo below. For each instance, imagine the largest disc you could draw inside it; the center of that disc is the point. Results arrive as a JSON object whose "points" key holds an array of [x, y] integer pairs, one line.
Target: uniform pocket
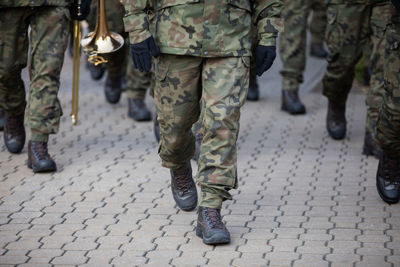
{"points": [[333, 33], [392, 60]]}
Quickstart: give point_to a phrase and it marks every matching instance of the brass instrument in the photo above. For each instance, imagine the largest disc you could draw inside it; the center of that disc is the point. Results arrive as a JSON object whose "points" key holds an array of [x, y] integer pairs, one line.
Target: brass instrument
{"points": [[75, 68], [100, 41]]}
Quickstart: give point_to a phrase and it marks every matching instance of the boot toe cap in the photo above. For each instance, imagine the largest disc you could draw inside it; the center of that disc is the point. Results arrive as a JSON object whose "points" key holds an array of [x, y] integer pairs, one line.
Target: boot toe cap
{"points": [[46, 165], [141, 115], [14, 145]]}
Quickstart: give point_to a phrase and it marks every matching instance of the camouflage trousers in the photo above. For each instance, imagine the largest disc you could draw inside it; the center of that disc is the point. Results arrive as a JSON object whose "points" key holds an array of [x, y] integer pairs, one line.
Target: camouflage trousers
{"points": [[220, 85], [351, 29], [293, 41], [48, 42], [120, 62], [388, 125]]}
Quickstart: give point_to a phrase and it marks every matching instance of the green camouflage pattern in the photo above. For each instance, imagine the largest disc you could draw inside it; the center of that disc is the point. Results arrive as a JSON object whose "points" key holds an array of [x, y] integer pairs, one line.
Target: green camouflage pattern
{"points": [[380, 17], [220, 85], [120, 62], [48, 42], [212, 28], [34, 3], [347, 35], [388, 125], [293, 41], [365, 2]]}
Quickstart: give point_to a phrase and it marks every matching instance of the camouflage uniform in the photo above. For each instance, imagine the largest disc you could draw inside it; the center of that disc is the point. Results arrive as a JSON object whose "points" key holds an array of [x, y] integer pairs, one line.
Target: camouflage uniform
{"points": [[352, 25], [388, 126], [120, 62], [48, 42], [205, 57], [293, 40]]}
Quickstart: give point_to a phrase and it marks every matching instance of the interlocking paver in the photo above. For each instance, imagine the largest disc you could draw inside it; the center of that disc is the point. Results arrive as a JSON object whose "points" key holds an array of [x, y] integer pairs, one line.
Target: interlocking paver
{"points": [[303, 199]]}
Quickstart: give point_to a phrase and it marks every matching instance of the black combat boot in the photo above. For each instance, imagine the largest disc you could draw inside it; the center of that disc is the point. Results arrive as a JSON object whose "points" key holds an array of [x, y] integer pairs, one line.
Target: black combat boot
{"points": [[254, 92], [291, 102], [2, 119], [388, 179], [211, 228], [184, 189], [39, 159], [96, 72], [318, 50], [137, 110], [14, 133], [370, 147], [336, 120], [157, 129], [113, 88]]}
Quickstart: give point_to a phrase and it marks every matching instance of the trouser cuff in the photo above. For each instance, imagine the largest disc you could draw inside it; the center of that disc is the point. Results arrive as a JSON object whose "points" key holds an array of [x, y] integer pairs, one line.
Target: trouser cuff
{"points": [[37, 137], [136, 93], [210, 200]]}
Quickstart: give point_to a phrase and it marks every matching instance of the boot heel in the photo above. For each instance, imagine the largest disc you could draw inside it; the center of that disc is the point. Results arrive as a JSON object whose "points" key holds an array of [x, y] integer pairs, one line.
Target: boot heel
{"points": [[29, 164], [198, 232]]}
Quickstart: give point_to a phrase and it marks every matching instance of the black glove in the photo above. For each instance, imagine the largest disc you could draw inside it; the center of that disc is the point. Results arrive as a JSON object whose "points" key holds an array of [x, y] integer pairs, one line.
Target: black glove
{"points": [[265, 56], [84, 10], [396, 3], [141, 54]]}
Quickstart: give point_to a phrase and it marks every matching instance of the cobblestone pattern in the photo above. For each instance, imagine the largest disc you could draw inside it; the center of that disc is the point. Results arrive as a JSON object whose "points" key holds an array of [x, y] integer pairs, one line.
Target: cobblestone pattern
{"points": [[304, 199]]}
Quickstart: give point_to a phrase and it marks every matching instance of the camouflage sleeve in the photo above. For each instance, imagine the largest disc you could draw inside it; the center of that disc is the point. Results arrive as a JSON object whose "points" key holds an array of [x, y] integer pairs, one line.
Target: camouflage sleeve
{"points": [[267, 18], [136, 20]]}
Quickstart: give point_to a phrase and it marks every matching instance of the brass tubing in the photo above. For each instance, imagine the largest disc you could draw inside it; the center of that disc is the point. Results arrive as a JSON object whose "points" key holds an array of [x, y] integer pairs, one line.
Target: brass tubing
{"points": [[75, 71]]}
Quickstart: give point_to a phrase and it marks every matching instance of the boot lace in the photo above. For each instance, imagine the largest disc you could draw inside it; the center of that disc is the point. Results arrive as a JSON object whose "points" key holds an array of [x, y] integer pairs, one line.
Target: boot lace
{"points": [[213, 218], [183, 181], [40, 150]]}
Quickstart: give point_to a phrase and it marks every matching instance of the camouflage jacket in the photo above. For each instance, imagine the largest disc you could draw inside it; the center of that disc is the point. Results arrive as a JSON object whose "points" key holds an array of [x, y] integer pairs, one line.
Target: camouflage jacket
{"points": [[367, 2], [206, 28], [34, 3]]}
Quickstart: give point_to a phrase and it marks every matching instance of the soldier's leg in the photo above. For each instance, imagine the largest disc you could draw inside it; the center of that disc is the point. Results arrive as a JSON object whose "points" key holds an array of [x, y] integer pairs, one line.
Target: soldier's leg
{"points": [[176, 96], [116, 70], [380, 17], [345, 37], [136, 86], [48, 44], [13, 58], [317, 28], [388, 125], [225, 83], [292, 48]]}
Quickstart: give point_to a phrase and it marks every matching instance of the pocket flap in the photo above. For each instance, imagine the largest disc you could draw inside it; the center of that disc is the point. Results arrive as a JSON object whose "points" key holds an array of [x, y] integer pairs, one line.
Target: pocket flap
{"points": [[169, 3], [242, 4]]}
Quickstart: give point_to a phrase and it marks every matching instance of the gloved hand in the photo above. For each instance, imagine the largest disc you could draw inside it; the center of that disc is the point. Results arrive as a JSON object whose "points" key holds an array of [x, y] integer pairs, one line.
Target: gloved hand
{"points": [[265, 56], [85, 10], [141, 54], [396, 3]]}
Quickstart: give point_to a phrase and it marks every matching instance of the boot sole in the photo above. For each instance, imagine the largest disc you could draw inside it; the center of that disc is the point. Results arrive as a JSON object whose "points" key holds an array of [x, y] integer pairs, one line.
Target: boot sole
{"points": [[291, 112], [336, 136], [211, 240], [137, 118], [40, 170]]}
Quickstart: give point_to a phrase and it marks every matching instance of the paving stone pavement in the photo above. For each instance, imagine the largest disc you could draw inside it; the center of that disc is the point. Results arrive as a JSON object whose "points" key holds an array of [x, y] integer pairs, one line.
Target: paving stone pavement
{"points": [[303, 199]]}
